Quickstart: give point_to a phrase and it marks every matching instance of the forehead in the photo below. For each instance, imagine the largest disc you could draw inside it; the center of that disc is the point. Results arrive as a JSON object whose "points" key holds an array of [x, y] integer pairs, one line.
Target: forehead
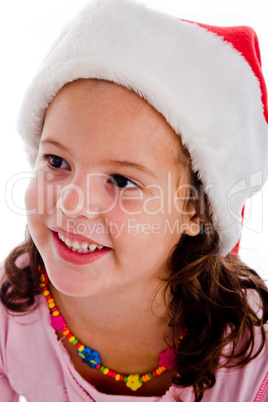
{"points": [[106, 106]]}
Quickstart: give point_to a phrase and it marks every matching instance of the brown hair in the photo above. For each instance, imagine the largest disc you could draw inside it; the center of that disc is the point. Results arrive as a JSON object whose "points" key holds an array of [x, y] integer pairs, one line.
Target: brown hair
{"points": [[211, 297], [205, 293]]}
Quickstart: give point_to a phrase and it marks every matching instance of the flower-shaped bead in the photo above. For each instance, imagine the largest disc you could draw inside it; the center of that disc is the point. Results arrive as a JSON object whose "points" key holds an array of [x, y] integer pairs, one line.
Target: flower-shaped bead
{"points": [[57, 322], [167, 359], [91, 357], [133, 382]]}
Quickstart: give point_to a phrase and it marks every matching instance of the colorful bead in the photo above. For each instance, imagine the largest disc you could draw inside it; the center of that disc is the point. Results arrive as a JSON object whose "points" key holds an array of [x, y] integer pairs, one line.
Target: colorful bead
{"points": [[167, 359], [145, 378], [133, 382], [55, 313], [91, 357], [57, 322]]}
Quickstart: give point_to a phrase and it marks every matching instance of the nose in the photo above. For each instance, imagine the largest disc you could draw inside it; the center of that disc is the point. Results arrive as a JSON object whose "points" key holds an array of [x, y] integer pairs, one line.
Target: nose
{"points": [[71, 200], [81, 198]]}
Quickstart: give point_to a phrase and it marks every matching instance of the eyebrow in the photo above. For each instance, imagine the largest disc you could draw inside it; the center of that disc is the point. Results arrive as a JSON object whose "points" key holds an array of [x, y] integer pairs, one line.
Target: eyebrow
{"points": [[56, 143], [116, 163]]}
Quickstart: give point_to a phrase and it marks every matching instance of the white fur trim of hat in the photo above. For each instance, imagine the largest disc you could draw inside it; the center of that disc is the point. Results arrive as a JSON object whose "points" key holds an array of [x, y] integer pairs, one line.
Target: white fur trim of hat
{"points": [[206, 81]]}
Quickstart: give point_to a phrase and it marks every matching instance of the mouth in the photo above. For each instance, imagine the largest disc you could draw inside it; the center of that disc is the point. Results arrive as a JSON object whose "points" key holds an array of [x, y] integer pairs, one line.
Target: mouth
{"points": [[77, 251]]}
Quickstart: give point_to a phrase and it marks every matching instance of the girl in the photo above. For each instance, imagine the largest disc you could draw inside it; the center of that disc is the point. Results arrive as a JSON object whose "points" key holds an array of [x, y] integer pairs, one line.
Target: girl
{"points": [[146, 134]]}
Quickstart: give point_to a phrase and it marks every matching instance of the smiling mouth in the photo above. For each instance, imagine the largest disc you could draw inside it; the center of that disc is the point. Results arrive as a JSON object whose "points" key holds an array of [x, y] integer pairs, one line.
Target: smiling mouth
{"points": [[81, 248]]}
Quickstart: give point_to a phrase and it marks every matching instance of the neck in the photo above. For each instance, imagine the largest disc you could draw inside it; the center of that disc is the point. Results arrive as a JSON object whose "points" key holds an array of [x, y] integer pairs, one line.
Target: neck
{"points": [[129, 317]]}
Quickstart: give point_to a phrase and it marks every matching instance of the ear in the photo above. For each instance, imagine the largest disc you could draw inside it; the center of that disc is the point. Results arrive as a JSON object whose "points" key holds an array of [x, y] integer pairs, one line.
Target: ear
{"points": [[192, 223]]}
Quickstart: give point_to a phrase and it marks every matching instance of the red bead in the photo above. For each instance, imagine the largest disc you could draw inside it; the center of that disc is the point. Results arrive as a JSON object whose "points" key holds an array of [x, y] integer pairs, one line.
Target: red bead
{"points": [[154, 373], [69, 335], [114, 374], [98, 366], [121, 377], [54, 308], [78, 344], [110, 373]]}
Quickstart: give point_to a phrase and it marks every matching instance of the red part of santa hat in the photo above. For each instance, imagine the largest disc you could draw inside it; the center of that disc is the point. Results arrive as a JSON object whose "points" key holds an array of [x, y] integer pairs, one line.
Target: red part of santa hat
{"points": [[245, 41], [206, 81]]}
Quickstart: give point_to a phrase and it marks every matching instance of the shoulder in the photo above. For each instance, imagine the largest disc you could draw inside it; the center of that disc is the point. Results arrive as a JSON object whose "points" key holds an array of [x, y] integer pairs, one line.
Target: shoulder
{"points": [[15, 328], [248, 383]]}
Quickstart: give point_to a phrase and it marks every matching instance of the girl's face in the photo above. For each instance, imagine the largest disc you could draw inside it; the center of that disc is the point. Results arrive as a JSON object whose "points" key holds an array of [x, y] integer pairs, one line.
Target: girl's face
{"points": [[103, 208]]}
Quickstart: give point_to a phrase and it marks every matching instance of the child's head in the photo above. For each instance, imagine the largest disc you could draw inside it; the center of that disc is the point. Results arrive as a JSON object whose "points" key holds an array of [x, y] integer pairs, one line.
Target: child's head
{"points": [[205, 81], [108, 168]]}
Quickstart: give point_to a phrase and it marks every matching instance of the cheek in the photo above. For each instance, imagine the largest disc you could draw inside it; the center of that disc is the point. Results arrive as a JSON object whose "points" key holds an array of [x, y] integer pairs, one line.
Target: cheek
{"points": [[40, 196], [36, 207], [31, 198]]}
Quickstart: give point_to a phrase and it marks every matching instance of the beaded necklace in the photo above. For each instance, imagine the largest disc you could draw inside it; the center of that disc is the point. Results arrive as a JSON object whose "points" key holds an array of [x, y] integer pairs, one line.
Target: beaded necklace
{"points": [[91, 357]]}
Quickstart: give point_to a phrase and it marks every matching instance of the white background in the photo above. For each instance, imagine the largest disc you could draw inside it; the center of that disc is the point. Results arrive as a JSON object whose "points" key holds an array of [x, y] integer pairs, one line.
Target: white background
{"points": [[28, 27]]}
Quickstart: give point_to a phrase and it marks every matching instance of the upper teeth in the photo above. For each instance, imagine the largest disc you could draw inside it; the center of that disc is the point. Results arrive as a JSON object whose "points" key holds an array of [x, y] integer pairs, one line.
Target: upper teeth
{"points": [[80, 248]]}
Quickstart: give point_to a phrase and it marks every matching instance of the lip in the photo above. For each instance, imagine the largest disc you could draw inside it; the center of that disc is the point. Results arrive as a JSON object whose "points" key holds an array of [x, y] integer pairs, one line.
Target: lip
{"points": [[73, 257]]}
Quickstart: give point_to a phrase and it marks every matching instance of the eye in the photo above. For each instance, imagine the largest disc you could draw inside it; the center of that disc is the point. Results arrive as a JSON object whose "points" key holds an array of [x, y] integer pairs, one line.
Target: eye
{"points": [[122, 181], [56, 162]]}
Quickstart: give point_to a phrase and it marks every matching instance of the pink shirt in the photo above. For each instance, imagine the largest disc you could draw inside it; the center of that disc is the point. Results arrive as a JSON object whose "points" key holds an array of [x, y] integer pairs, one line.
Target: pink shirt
{"points": [[33, 363]]}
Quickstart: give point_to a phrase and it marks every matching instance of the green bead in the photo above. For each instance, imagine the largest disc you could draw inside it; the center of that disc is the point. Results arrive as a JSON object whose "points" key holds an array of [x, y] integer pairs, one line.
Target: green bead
{"points": [[75, 342], [102, 368], [151, 376], [125, 378]]}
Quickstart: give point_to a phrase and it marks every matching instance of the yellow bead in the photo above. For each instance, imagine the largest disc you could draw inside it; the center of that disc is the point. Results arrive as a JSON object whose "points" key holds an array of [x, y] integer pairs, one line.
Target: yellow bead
{"points": [[51, 305], [42, 278], [117, 377], [55, 313], [71, 339], [81, 348], [46, 292], [106, 371]]}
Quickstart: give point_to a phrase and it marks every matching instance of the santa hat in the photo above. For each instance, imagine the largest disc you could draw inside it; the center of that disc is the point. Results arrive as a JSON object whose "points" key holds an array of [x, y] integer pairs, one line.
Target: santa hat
{"points": [[206, 81]]}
